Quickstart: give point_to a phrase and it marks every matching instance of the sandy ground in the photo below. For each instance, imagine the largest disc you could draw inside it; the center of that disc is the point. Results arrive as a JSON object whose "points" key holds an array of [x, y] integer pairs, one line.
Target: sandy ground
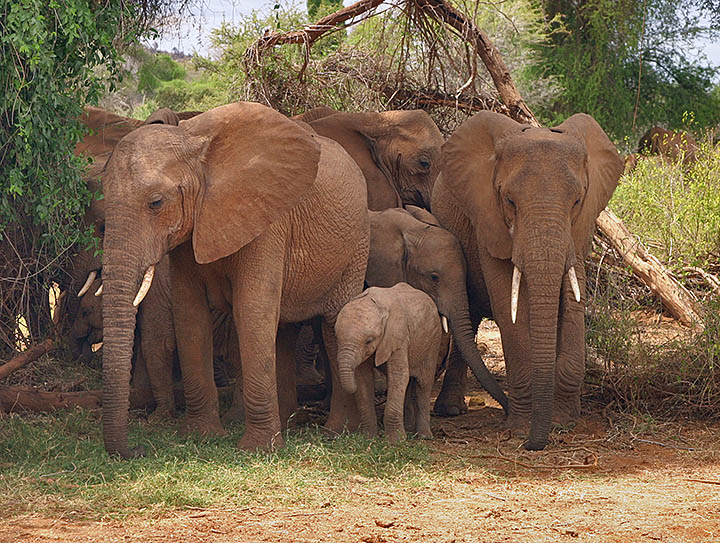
{"points": [[603, 481]]}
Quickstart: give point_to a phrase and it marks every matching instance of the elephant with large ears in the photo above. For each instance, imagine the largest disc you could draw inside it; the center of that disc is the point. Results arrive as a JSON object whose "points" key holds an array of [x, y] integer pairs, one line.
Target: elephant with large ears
{"points": [[397, 151], [523, 203], [398, 327], [260, 217], [410, 245]]}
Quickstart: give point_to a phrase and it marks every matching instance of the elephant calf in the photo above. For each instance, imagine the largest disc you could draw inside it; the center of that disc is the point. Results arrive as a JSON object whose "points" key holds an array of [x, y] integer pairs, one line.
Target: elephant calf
{"points": [[400, 326]]}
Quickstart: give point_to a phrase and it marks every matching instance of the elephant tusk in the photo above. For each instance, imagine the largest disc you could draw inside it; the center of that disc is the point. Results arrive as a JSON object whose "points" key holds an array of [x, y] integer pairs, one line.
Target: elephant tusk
{"points": [[443, 318], [145, 286], [99, 291], [88, 282], [517, 274], [574, 283]]}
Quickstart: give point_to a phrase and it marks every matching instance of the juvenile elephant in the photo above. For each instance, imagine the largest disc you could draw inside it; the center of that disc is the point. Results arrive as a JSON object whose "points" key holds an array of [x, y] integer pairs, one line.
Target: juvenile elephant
{"points": [[669, 144], [260, 217], [409, 245], [401, 327], [397, 151], [523, 203]]}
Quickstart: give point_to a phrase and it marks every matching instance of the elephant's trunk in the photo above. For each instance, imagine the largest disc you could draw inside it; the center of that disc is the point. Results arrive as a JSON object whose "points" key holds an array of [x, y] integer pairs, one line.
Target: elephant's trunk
{"points": [[464, 337], [349, 358], [544, 268], [121, 274]]}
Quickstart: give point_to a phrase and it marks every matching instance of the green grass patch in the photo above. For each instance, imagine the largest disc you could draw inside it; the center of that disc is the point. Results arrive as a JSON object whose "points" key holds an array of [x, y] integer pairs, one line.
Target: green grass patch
{"points": [[54, 463]]}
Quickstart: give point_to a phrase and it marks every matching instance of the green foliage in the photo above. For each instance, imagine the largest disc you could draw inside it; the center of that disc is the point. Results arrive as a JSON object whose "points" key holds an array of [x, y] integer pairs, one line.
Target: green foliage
{"points": [[199, 95], [596, 51], [158, 69], [674, 208], [179, 472]]}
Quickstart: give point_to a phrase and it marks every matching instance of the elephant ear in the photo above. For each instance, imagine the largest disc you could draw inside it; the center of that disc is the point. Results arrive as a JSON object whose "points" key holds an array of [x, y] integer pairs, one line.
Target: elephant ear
{"points": [[604, 168], [163, 116], [394, 337], [257, 165], [469, 172]]}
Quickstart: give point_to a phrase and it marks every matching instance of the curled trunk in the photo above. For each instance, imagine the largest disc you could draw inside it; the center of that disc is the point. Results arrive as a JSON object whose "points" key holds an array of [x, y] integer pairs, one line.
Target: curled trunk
{"points": [[464, 336]]}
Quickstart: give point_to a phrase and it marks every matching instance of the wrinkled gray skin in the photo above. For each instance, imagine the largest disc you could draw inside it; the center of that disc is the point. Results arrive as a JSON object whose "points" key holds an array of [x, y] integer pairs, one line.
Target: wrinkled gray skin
{"points": [[400, 327], [410, 245], [397, 151]]}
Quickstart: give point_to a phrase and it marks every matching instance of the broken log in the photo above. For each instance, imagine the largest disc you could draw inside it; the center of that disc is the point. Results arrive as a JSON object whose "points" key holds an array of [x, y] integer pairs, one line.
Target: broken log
{"points": [[25, 357], [675, 297]]}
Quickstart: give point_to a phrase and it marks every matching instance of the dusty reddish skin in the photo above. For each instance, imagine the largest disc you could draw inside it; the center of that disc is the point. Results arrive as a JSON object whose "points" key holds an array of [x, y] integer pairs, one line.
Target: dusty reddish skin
{"points": [[520, 196], [260, 217]]}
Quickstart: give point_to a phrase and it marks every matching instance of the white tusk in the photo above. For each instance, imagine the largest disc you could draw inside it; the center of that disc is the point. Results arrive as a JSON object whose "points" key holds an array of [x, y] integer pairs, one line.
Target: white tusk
{"points": [[145, 286], [443, 318], [574, 283], [98, 292], [517, 274], [89, 281]]}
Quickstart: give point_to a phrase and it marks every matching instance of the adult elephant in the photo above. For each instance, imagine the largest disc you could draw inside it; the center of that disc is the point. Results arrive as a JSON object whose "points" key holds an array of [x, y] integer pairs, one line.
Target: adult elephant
{"points": [[259, 216], [669, 144], [397, 151], [409, 245], [523, 203]]}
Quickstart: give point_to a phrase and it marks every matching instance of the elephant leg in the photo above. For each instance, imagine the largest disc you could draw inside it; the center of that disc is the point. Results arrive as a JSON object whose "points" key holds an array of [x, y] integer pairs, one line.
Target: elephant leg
{"points": [[140, 379], [257, 293], [236, 412], [193, 327], [410, 410], [285, 371], [365, 399], [423, 394], [570, 368], [515, 337], [451, 400], [305, 353], [159, 362], [398, 379]]}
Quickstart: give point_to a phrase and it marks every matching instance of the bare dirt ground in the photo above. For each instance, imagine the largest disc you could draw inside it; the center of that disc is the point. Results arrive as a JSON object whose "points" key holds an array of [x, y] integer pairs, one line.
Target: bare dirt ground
{"points": [[610, 479]]}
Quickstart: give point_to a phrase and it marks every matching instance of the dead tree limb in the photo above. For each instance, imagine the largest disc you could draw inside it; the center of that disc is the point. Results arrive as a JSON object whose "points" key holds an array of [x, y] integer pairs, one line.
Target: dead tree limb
{"points": [[676, 298], [25, 357], [442, 11]]}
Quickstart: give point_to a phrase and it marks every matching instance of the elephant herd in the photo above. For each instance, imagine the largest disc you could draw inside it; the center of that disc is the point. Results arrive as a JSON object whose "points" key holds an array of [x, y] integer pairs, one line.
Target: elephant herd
{"points": [[225, 232]]}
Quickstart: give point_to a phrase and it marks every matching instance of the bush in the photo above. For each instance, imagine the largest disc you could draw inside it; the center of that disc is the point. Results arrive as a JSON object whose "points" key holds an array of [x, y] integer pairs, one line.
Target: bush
{"points": [[674, 208], [156, 70]]}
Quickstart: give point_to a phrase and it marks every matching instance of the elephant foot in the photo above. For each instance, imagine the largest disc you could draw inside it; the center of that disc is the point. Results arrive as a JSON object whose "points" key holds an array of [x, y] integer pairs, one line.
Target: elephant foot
{"points": [[236, 413], [450, 403], [425, 434], [261, 441], [395, 436], [203, 425]]}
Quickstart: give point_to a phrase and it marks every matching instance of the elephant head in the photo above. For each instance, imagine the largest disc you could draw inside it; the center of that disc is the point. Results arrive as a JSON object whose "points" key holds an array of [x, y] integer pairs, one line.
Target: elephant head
{"points": [[87, 328], [397, 151], [217, 182], [364, 326], [410, 245], [532, 195]]}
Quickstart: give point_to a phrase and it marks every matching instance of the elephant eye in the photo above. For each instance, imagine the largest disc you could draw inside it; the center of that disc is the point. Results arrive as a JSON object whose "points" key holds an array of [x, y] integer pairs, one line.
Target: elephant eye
{"points": [[424, 163], [156, 203], [509, 200], [369, 341], [434, 277], [576, 202]]}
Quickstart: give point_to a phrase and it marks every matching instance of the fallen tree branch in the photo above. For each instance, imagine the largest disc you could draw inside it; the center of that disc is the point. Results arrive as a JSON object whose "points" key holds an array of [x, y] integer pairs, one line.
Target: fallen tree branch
{"points": [[675, 297], [30, 355]]}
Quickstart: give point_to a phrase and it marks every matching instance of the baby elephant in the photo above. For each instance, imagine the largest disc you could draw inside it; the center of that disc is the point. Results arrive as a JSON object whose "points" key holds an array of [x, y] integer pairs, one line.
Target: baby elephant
{"points": [[401, 327]]}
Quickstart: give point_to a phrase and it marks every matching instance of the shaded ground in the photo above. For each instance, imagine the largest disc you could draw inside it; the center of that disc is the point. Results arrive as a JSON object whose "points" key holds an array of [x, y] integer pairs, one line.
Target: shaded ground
{"points": [[612, 478]]}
